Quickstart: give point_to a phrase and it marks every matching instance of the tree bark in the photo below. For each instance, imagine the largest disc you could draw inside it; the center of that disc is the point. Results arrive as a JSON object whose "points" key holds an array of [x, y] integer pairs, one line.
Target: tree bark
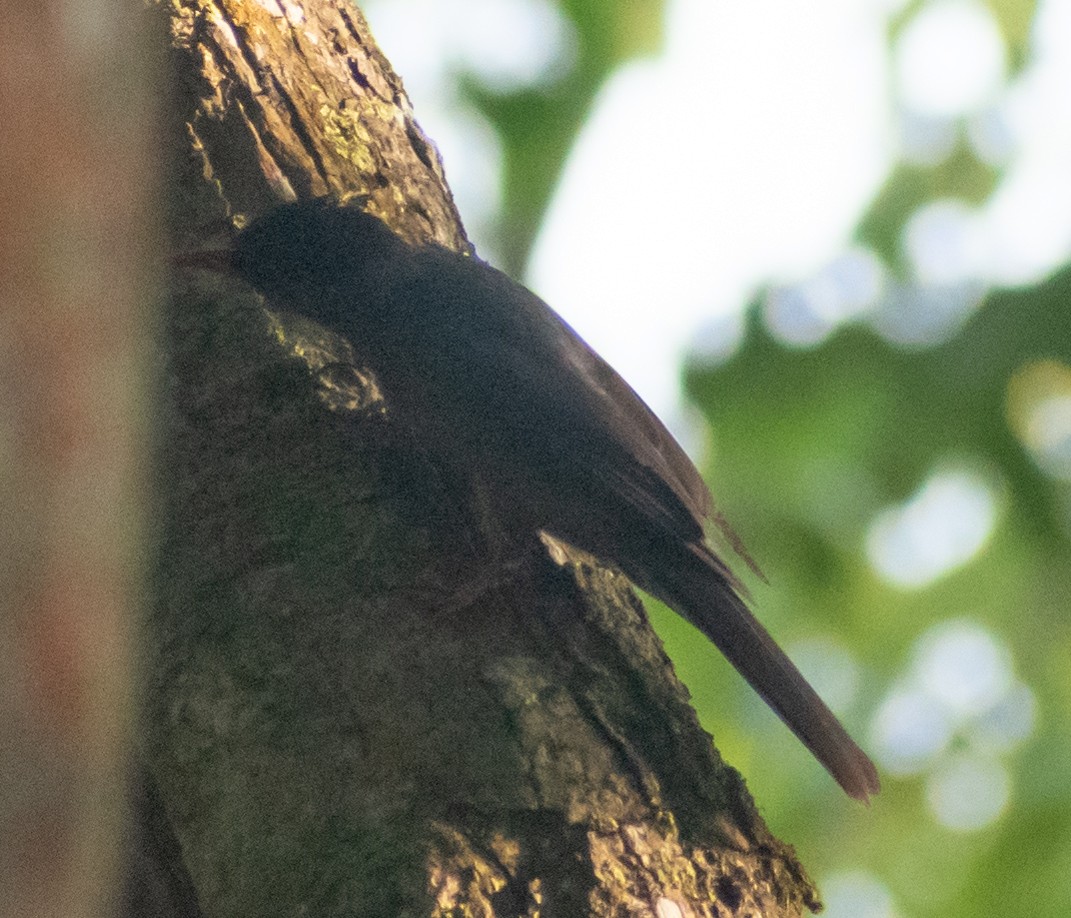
{"points": [[362, 700]]}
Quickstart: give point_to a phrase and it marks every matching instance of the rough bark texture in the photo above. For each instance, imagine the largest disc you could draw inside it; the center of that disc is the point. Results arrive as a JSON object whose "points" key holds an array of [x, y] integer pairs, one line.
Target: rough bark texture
{"points": [[363, 702]]}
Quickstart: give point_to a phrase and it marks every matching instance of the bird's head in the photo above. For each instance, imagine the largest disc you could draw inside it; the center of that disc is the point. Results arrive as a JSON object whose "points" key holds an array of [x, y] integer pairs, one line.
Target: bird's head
{"points": [[300, 251]]}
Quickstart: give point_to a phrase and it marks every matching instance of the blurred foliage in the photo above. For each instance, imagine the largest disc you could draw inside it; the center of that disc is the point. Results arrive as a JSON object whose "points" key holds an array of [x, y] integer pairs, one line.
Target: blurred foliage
{"points": [[810, 445], [538, 126], [1013, 17], [960, 176]]}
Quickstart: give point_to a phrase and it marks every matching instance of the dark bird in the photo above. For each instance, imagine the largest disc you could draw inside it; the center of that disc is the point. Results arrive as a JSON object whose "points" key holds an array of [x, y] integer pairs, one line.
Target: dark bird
{"points": [[492, 377]]}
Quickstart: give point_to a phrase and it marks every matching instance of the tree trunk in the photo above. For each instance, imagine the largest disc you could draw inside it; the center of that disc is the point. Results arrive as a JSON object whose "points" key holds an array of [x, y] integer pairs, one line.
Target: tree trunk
{"points": [[76, 235], [362, 701]]}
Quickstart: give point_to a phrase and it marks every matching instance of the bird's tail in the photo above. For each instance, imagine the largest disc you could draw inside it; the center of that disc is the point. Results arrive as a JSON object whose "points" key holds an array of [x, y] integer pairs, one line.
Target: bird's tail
{"points": [[701, 588]]}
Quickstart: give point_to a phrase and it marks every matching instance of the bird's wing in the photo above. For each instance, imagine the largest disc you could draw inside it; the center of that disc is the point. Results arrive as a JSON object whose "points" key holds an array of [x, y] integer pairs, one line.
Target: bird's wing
{"points": [[566, 396], [649, 467]]}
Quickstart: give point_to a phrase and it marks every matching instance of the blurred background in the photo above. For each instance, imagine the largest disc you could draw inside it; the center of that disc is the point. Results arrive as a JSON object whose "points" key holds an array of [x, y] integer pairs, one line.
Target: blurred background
{"points": [[829, 243]]}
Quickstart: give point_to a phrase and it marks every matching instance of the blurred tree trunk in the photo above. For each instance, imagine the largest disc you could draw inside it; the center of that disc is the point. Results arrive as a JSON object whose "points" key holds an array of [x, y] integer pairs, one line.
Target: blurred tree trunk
{"points": [[360, 701], [77, 235]]}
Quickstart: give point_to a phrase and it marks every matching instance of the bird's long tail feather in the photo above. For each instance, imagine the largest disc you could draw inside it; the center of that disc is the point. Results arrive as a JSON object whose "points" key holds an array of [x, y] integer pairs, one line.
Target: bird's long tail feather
{"points": [[698, 585]]}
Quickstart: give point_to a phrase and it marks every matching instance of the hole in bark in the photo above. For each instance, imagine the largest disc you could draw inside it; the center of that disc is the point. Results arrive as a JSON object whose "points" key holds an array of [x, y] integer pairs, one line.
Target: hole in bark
{"points": [[729, 893]]}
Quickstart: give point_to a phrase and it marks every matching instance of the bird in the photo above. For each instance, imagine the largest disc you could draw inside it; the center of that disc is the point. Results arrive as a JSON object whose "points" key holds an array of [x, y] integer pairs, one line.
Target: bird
{"points": [[493, 379]]}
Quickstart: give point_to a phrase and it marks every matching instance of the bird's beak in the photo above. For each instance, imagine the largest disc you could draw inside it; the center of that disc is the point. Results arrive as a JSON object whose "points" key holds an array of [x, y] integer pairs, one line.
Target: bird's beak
{"points": [[219, 260]]}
